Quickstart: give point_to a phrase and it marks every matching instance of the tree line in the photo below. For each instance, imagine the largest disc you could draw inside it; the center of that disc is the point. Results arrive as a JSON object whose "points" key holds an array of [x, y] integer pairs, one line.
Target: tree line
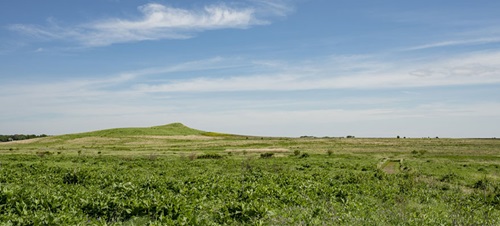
{"points": [[7, 138]]}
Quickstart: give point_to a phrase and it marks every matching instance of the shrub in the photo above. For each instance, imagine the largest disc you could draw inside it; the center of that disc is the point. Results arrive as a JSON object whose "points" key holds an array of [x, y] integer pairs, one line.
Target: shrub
{"points": [[418, 153], [296, 152], [329, 152], [210, 156], [304, 155], [449, 177], [482, 184], [266, 155], [74, 177]]}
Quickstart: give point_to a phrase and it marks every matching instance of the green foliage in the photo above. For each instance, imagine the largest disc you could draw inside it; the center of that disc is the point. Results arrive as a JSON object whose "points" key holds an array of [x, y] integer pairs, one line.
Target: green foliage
{"points": [[143, 176], [74, 177], [117, 190]]}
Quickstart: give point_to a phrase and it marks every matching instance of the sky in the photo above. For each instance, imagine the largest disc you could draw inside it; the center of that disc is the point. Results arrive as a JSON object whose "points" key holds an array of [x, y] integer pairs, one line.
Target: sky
{"points": [[255, 67]]}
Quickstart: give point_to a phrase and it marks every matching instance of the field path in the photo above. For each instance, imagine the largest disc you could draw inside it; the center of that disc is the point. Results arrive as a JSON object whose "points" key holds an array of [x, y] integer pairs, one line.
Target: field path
{"points": [[390, 166]]}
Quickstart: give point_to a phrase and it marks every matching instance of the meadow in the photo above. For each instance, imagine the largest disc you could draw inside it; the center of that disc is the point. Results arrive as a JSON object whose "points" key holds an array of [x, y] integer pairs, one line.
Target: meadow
{"points": [[175, 175]]}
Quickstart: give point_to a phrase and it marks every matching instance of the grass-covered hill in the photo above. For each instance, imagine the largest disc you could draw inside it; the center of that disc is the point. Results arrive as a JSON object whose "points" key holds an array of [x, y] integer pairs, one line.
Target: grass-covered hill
{"points": [[174, 129], [157, 138]]}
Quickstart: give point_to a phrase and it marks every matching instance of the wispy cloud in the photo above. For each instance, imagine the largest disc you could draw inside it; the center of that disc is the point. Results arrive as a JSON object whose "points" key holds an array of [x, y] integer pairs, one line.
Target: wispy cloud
{"points": [[471, 69], [476, 41], [332, 73], [157, 22], [274, 7], [156, 95]]}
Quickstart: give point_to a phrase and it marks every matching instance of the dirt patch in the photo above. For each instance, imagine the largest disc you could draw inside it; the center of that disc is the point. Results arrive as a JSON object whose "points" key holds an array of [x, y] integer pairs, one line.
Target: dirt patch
{"points": [[390, 166]]}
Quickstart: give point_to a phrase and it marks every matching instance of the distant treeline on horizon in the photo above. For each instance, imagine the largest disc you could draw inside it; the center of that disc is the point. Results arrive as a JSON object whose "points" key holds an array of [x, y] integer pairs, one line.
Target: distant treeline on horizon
{"points": [[7, 138]]}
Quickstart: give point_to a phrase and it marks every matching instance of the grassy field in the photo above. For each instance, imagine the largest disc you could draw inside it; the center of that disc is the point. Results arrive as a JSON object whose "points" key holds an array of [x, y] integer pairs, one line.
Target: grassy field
{"points": [[176, 175]]}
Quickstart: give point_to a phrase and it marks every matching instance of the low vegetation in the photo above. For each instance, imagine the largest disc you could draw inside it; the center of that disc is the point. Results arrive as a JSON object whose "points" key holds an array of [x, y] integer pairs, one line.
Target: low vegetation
{"points": [[178, 176]]}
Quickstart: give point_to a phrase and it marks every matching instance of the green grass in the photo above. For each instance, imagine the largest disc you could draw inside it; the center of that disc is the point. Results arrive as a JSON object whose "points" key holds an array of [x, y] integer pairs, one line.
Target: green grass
{"points": [[175, 175]]}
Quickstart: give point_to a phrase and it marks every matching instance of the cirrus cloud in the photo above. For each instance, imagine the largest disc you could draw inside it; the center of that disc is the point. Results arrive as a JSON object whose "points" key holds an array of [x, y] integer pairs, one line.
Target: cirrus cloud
{"points": [[157, 22]]}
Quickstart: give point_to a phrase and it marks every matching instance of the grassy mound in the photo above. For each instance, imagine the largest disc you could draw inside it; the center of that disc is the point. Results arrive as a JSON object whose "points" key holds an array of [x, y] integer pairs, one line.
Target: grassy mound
{"points": [[174, 129]]}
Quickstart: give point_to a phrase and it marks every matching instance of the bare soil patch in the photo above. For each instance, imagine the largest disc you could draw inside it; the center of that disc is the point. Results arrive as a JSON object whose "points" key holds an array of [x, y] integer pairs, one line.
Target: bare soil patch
{"points": [[391, 166]]}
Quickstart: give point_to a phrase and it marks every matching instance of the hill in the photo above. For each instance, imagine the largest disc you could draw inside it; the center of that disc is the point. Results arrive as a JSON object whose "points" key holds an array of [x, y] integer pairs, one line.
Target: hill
{"points": [[118, 139], [174, 129]]}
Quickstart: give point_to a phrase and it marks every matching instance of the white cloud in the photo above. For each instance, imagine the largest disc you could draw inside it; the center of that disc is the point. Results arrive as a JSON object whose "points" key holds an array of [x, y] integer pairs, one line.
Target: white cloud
{"points": [[157, 22], [477, 41], [358, 108], [354, 73], [337, 72]]}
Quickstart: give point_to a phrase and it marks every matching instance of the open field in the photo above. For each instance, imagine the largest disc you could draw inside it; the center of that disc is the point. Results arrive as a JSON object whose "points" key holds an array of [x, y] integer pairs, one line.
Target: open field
{"points": [[176, 175]]}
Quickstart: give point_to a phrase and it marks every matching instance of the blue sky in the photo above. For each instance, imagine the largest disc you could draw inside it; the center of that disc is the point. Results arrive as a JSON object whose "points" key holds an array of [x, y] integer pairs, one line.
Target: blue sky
{"points": [[256, 67]]}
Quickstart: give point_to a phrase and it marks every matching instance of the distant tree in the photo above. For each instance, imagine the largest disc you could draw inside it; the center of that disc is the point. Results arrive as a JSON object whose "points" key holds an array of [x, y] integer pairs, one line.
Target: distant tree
{"points": [[6, 138]]}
